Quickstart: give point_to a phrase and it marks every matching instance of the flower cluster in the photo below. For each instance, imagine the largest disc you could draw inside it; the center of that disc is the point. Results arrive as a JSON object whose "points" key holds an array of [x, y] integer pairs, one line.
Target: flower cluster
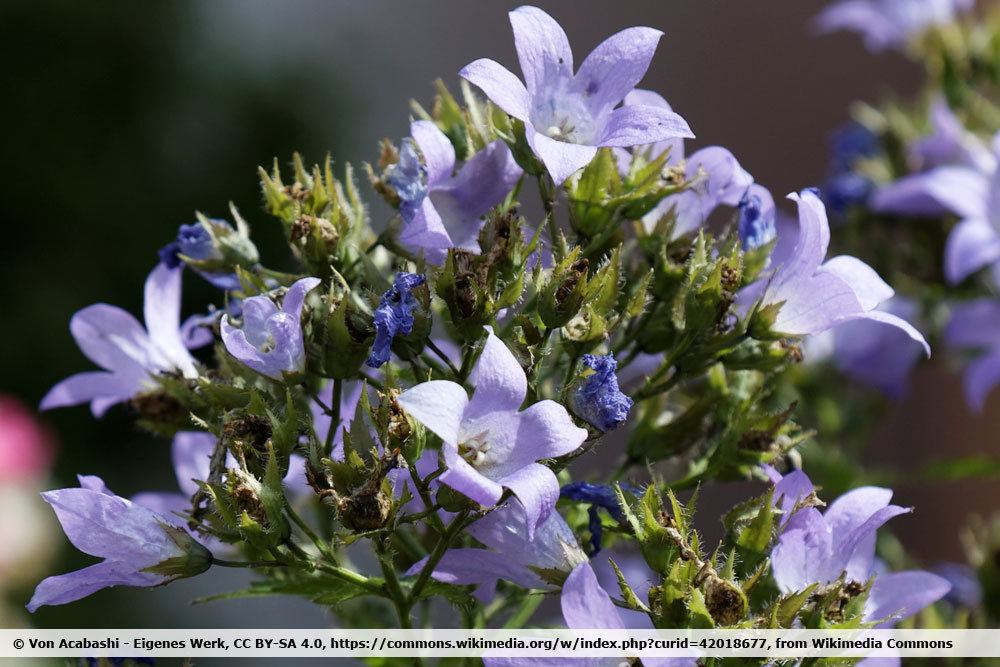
{"points": [[428, 390]]}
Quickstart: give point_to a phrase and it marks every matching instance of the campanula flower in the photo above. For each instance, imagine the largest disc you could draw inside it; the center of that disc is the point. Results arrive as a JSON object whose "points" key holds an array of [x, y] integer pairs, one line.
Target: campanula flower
{"points": [[568, 116], [489, 443], [975, 326], [270, 340], [716, 179], [815, 295], [442, 208], [394, 316], [139, 546], [885, 24], [131, 356], [510, 554], [200, 246], [818, 547], [598, 400], [971, 192]]}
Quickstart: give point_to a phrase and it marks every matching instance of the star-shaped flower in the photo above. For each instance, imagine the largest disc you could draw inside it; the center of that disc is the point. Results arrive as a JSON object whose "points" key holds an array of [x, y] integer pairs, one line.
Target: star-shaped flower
{"points": [[489, 443], [568, 116]]}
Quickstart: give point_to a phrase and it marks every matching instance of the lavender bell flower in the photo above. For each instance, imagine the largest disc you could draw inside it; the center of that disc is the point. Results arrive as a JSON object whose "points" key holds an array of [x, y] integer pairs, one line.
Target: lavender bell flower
{"points": [[975, 325], [815, 295], [886, 24], [537, 562], [717, 179], [674, 147], [587, 606], [598, 400], [131, 356], [971, 192], [139, 546], [394, 316], [568, 116], [442, 208], [270, 341], [196, 242], [489, 443], [815, 547]]}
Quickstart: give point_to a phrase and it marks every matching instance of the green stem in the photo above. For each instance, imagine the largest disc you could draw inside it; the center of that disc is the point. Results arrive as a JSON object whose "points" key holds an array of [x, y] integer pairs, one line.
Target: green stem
{"points": [[334, 412], [449, 535], [392, 586], [444, 357], [304, 527], [425, 496], [249, 563], [525, 611], [351, 577]]}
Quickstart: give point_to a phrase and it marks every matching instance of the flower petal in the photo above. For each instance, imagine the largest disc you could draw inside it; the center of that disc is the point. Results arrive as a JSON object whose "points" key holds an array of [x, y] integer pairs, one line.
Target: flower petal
{"points": [[585, 605], [240, 348], [537, 488], [73, 586], [902, 594], [980, 378], [485, 179], [500, 85], [162, 310], [614, 68], [974, 324], [191, 452], [425, 231], [542, 49], [84, 387], [498, 378], [868, 286], [895, 321], [972, 244], [813, 239], [295, 297], [480, 567], [548, 426], [439, 405], [860, 16], [438, 152], [959, 190], [467, 480], [800, 558], [111, 527], [561, 159], [637, 125], [814, 305], [111, 338]]}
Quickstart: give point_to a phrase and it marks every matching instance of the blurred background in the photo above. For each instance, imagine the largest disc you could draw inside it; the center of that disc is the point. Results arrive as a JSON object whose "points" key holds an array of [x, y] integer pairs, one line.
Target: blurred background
{"points": [[122, 119]]}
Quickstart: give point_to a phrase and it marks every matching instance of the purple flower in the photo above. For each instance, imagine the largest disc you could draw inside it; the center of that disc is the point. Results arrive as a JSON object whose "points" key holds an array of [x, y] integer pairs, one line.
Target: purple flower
{"points": [[489, 443], [139, 546], [888, 24], [394, 316], [965, 587], [975, 325], [599, 400], [815, 295], [717, 179], [815, 547], [587, 606], [971, 192], [442, 209], [270, 341], [876, 355], [551, 552], [568, 116], [756, 223], [673, 146], [131, 356], [949, 143], [845, 190]]}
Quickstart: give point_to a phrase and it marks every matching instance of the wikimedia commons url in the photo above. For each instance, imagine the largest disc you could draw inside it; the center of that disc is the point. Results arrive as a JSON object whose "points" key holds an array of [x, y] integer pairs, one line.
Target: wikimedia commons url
{"points": [[511, 643]]}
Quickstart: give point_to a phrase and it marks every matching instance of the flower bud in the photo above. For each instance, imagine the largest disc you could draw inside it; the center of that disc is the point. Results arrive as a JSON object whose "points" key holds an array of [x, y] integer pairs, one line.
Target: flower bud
{"points": [[193, 560], [725, 601], [562, 296]]}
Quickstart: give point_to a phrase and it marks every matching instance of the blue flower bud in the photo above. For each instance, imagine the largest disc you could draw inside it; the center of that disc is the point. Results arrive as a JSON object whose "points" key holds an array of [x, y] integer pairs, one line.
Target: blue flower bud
{"points": [[599, 400], [599, 496], [755, 226], [850, 142], [845, 190]]}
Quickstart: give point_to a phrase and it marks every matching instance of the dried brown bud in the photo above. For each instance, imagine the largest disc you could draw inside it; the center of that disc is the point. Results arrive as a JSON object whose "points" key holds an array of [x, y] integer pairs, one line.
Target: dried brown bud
{"points": [[725, 600]]}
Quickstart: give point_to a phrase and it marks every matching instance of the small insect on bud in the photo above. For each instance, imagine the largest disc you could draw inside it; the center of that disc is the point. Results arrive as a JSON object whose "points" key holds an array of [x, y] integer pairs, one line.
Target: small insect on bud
{"points": [[725, 600]]}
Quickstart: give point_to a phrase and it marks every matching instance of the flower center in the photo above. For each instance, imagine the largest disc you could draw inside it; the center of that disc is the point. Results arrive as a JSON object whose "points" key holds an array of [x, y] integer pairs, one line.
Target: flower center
{"points": [[474, 449], [565, 117]]}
